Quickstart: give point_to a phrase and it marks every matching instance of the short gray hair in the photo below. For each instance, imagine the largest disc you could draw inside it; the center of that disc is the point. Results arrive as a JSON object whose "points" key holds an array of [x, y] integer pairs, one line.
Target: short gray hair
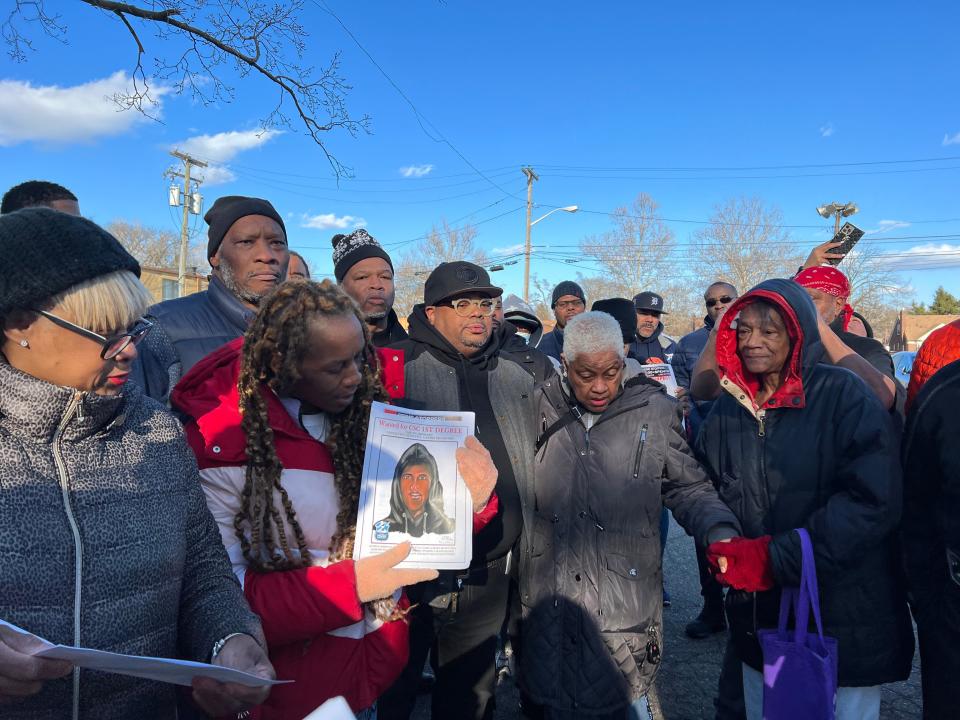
{"points": [[592, 332]]}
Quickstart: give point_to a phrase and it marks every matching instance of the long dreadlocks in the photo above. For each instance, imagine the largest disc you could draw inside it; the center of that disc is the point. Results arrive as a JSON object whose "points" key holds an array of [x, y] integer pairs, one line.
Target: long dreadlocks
{"points": [[273, 351]]}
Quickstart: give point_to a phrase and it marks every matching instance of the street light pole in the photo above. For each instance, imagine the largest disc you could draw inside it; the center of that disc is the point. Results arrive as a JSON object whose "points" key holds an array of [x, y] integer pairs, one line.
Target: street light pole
{"points": [[531, 176], [838, 211]]}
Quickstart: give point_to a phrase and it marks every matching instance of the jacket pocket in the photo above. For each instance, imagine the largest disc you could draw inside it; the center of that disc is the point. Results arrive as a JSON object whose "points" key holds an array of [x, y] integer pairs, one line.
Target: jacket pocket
{"points": [[630, 588], [730, 490]]}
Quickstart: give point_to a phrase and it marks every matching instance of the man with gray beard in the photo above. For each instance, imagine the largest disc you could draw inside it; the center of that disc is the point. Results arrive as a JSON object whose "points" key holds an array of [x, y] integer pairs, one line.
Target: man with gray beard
{"points": [[365, 272], [247, 248]]}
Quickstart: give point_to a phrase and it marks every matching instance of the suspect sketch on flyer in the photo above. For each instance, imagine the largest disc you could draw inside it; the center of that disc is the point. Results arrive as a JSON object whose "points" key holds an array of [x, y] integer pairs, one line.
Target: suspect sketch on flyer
{"points": [[663, 374], [411, 490]]}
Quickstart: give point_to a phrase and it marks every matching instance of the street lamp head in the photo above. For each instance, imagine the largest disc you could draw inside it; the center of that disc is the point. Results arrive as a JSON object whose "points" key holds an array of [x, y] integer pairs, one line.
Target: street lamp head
{"points": [[850, 209], [570, 208], [826, 211]]}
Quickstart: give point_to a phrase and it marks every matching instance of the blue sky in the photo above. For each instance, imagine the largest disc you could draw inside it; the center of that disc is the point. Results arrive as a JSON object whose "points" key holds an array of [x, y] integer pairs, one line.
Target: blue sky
{"points": [[556, 85]]}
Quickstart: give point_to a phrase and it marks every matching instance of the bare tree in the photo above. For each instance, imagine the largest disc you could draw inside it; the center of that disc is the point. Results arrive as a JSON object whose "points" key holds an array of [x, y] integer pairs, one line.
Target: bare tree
{"points": [[197, 41], [744, 244], [876, 291], [635, 255], [154, 247], [443, 244]]}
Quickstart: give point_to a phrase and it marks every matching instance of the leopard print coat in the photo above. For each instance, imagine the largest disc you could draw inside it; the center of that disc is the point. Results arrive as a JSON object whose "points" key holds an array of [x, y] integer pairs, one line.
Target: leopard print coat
{"points": [[106, 542]]}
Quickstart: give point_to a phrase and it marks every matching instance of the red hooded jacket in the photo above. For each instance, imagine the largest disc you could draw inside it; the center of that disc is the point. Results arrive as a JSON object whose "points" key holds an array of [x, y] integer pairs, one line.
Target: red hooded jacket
{"points": [[941, 348]]}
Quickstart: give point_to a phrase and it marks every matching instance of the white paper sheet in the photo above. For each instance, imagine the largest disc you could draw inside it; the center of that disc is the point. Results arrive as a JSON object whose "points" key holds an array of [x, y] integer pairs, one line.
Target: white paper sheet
{"points": [[663, 374], [177, 672], [435, 515], [333, 709]]}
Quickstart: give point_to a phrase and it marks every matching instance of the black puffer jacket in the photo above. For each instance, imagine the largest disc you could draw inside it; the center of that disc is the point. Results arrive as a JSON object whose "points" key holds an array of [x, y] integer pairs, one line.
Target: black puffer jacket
{"points": [[591, 583], [821, 454]]}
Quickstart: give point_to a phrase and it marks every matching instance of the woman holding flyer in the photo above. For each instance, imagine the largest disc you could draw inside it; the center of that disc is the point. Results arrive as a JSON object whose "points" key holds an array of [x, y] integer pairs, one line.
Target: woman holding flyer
{"points": [[278, 424]]}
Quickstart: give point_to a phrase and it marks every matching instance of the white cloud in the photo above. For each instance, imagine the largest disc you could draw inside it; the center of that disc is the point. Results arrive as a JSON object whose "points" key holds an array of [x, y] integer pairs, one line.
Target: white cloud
{"points": [[331, 221], [78, 113], [416, 171], [886, 226], [512, 250], [949, 139], [929, 256], [826, 130], [220, 148]]}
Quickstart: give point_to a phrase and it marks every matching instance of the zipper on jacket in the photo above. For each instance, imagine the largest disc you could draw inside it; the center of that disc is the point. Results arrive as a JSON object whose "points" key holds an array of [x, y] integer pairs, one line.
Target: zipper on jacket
{"points": [[762, 419], [75, 403], [600, 569], [643, 441]]}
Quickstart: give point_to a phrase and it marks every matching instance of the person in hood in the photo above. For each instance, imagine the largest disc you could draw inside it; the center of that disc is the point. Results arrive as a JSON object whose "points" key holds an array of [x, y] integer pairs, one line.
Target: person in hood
{"points": [[247, 248], [794, 442], [931, 536], [524, 319], [454, 361], [940, 348], [652, 344], [277, 420], [365, 271], [105, 539], [567, 302], [610, 454], [416, 496]]}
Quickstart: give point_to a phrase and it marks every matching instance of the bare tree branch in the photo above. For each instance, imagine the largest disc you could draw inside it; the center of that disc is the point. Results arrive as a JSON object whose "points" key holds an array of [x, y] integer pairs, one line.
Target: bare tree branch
{"points": [[254, 36]]}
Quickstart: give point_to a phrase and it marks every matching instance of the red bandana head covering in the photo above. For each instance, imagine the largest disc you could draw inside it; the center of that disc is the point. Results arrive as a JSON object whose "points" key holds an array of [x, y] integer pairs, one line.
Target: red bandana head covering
{"points": [[831, 281]]}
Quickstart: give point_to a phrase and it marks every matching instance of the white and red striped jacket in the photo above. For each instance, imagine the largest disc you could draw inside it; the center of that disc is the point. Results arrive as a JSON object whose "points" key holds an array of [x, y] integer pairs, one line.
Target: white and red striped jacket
{"points": [[316, 629]]}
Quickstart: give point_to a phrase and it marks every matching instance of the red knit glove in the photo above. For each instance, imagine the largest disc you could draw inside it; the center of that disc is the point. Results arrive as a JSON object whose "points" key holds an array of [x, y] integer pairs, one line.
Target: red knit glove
{"points": [[748, 563]]}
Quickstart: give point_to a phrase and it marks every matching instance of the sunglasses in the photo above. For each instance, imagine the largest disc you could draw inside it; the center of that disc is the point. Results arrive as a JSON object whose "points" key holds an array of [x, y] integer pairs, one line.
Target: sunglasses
{"points": [[723, 300], [110, 346]]}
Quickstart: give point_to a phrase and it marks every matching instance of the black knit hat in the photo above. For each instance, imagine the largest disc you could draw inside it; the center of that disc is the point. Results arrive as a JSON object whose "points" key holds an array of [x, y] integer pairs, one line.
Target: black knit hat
{"points": [[350, 249], [46, 252], [227, 210], [622, 311], [567, 287]]}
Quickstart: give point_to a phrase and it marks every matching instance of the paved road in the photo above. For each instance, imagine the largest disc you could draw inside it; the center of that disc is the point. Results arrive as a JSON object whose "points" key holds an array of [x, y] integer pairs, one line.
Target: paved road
{"points": [[686, 682]]}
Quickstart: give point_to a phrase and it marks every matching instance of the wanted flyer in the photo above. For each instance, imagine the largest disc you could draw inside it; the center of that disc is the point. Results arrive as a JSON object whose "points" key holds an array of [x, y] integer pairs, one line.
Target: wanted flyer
{"points": [[411, 489]]}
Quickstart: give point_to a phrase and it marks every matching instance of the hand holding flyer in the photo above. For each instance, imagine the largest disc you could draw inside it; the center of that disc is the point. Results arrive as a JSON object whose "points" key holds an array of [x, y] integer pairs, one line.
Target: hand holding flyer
{"points": [[412, 489], [478, 471]]}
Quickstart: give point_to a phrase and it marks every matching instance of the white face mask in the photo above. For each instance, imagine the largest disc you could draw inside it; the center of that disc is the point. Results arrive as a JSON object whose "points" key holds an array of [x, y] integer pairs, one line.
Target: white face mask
{"points": [[524, 335]]}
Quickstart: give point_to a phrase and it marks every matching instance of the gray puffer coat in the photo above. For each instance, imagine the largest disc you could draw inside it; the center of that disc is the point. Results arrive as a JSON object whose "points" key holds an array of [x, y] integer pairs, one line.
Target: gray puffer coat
{"points": [[590, 574], [106, 542]]}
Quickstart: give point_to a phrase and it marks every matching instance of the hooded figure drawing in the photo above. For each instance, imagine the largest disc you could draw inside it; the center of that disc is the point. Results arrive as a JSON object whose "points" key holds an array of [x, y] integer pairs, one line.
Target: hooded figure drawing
{"points": [[416, 496]]}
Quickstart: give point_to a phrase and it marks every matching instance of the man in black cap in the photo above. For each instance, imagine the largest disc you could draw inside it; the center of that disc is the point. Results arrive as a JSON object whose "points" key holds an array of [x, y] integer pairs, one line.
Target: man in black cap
{"points": [[365, 272], [454, 361], [651, 344], [568, 300], [247, 247]]}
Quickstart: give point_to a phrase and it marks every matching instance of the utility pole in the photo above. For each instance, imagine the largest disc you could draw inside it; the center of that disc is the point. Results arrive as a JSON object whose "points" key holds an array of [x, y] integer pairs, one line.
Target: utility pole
{"points": [[191, 204], [531, 176]]}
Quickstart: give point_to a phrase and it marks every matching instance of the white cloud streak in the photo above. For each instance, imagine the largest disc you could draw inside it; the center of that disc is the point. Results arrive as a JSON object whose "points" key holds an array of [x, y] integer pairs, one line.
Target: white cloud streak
{"points": [[949, 139], [826, 130], [928, 256], [331, 221], [219, 148], [74, 114], [416, 171]]}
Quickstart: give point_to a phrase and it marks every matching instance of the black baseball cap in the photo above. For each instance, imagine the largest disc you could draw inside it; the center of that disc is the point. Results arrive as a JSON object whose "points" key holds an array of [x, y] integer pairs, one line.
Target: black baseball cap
{"points": [[649, 301], [457, 278]]}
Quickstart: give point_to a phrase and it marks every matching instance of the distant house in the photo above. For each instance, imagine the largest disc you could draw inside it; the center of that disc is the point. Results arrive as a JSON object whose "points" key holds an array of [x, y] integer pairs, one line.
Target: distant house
{"points": [[909, 330], [163, 283]]}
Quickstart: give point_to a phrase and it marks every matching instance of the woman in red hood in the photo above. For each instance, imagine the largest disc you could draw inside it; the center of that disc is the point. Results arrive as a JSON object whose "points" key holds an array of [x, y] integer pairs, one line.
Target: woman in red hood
{"points": [[278, 422], [794, 442]]}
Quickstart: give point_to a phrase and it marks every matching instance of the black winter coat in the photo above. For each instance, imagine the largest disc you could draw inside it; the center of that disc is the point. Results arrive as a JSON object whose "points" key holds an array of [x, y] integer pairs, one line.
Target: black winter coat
{"points": [[931, 510], [591, 582], [821, 454]]}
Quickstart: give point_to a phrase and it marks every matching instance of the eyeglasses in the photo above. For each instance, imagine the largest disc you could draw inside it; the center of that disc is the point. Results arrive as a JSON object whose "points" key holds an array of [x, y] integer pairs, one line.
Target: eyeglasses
{"points": [[723, 300], [464, 306], [111, 346], [564, 304]]}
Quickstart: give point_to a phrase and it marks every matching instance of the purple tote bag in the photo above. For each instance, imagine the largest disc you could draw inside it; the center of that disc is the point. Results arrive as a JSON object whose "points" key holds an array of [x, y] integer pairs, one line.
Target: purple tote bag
{"points": [[799, 668]]}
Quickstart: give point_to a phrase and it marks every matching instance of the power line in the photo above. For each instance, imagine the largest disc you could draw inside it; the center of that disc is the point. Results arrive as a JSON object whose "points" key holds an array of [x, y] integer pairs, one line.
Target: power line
{"points": [[748, 167], [421, 118], [755, 177]]}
